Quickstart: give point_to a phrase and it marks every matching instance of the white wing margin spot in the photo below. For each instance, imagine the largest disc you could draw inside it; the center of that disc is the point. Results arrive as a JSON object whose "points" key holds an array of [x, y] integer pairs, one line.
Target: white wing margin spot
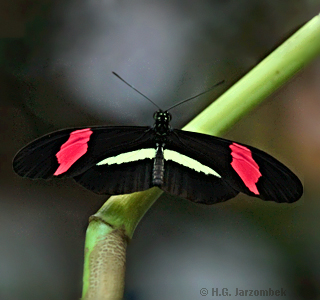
{"points": [[129, 157], [189, 162]]}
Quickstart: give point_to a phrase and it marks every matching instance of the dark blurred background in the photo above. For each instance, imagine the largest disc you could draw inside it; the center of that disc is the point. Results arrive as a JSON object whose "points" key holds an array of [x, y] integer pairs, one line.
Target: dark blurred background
{"points": [[56, 60]]}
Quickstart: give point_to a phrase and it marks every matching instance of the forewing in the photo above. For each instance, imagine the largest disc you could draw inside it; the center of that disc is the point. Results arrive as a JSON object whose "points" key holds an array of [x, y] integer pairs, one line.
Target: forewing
{"points": [[244, 168], [71, 152]]}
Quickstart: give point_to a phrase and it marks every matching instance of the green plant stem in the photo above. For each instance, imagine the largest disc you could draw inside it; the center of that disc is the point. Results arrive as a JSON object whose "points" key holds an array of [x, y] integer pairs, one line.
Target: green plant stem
{"points": [[276, 69], [115, 222], [106, 240]]}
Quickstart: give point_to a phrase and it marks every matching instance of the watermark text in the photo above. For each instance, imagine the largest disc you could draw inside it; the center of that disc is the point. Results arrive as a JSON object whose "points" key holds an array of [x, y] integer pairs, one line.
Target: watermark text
{"points": [[220, 292]]}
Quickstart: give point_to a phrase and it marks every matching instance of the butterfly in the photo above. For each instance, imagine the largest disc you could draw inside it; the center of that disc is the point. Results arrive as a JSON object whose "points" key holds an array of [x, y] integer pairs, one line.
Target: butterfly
{"points": [[115, 160]]}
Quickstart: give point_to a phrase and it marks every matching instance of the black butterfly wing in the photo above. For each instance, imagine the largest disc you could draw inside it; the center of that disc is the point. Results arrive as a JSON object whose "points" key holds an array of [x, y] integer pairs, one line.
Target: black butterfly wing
{"points": [[195, 186], [77, 152], [71, 152], [118, 179], [241, 168]]}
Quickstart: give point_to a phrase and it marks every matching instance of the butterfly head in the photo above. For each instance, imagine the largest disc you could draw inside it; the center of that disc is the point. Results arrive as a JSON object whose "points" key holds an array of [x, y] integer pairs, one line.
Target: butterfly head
{"points": [[162, 120]]}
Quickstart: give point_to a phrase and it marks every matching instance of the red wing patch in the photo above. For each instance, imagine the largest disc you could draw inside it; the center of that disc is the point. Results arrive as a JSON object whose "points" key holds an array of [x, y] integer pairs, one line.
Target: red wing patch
{"points": [[245, 166], [75, 147]]}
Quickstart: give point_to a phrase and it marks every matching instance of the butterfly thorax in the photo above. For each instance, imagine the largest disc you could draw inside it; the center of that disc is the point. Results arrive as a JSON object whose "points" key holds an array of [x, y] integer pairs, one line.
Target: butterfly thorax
{"points": [[161, 125]]}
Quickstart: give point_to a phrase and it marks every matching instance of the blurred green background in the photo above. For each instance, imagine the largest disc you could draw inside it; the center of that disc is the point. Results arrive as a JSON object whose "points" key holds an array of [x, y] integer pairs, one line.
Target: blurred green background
{"points": [[56, 60]]}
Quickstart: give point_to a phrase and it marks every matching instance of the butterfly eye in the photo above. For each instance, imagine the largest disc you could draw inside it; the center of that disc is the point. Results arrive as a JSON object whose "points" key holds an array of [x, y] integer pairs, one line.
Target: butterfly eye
{"points": [[155, 115]]}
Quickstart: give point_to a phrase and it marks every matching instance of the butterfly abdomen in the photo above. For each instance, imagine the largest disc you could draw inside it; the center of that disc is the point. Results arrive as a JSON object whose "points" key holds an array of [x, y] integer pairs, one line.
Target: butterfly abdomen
{"points": [[158, 167]]}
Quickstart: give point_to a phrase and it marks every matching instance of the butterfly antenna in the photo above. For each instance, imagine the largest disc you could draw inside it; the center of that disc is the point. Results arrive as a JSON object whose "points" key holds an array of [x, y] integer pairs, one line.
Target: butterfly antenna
{"points": [[188, 99], [135, 89]]}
